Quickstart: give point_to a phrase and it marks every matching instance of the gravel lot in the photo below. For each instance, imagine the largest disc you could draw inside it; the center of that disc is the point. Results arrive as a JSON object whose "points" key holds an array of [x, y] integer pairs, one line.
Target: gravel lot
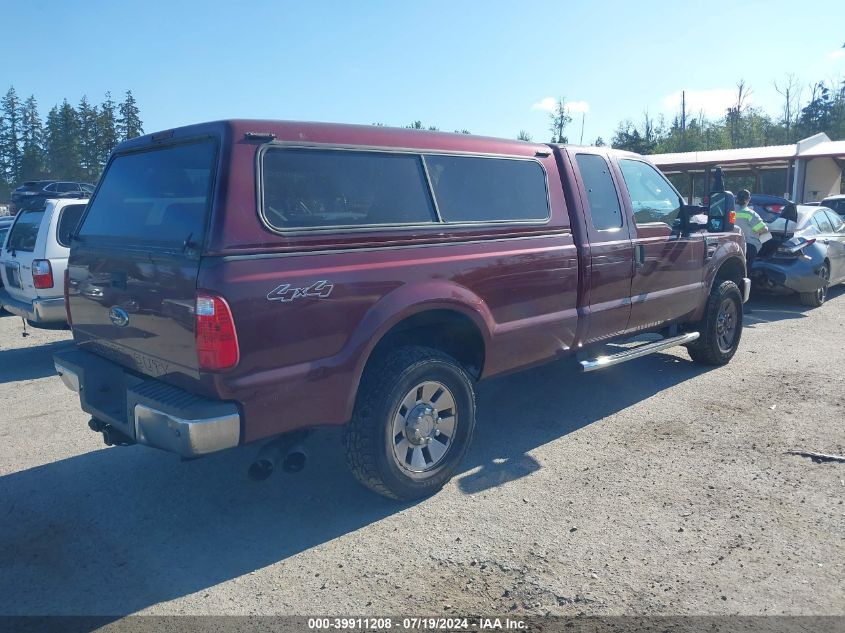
{"points": [[656, 487]]}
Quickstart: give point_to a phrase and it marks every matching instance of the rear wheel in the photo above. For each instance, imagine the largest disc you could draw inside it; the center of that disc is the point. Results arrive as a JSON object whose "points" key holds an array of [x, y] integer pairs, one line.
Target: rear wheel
{"points": [[412, 423], [721, 327], [817, 298]]}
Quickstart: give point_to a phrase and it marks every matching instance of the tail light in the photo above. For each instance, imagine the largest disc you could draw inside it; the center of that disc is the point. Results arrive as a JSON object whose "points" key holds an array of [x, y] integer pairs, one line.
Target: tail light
{"points": [[42, 274], [217, 339], [67, 297], [731, 217], [795, 248]]}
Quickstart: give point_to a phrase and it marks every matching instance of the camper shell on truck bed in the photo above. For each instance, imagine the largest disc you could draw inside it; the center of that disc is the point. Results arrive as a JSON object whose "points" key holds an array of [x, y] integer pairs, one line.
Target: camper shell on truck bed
{"points": [[267, 277]]}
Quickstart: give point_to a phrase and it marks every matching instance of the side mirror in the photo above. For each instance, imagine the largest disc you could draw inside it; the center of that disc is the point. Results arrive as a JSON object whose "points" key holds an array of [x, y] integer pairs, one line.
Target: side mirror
{"points": [[721, 213], [691, 217], [790, 212]]}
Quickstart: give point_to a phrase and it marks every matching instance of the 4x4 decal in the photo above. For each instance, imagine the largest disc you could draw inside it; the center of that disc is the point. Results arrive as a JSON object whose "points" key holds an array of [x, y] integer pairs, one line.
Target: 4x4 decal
{"points": [[286, 292]]}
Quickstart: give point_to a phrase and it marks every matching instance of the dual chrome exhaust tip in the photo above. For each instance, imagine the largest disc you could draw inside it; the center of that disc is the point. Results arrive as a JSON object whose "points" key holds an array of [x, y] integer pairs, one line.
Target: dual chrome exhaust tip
{"points": [[286, 451]]}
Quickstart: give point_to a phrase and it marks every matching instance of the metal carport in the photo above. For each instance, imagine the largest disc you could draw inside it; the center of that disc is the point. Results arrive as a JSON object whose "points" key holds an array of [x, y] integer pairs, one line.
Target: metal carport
{"points": [[806, 171]]}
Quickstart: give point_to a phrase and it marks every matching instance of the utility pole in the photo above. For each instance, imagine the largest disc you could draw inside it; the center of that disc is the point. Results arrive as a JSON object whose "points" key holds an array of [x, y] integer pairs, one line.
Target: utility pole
{"points": [[683, 120], [581, 142]]}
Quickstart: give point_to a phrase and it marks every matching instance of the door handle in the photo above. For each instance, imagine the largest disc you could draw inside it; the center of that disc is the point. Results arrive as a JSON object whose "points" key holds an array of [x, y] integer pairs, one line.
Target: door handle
{"points": [[711, 245], [639, 255]]}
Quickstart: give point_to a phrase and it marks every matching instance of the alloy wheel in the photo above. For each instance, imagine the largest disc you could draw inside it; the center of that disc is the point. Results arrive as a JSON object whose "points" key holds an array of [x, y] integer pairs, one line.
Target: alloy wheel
{"points": [[424, 427], [821, 293], [726, 325]]}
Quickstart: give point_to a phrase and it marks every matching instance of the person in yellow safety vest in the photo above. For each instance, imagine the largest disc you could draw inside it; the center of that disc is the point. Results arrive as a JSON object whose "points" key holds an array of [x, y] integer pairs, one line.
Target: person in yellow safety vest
{"points": [[753, 228]]}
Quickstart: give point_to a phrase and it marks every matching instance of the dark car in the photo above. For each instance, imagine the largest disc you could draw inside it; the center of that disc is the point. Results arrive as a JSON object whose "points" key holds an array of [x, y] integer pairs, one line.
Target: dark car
{"points": [[807, 256], [837, 203], [6, 222], [238, 281], [33, 193], [768, 207]]}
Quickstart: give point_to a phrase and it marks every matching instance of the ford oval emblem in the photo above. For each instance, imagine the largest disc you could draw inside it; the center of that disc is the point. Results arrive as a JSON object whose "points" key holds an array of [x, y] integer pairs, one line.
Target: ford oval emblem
{"points": [[119, 316]]}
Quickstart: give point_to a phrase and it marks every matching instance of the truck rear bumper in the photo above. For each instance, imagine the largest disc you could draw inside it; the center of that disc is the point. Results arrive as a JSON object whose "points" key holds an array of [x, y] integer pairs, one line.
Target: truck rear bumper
{"points": [[149, 411], [37, 310]]}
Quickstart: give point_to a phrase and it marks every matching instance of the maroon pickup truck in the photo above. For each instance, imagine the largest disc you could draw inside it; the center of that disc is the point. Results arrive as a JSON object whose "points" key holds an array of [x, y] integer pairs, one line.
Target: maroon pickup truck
{"points": [[239, 281]]}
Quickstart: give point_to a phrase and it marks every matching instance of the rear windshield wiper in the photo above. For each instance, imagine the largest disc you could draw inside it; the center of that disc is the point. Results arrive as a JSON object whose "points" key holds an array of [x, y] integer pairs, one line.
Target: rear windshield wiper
{"points": [[189, 243]]}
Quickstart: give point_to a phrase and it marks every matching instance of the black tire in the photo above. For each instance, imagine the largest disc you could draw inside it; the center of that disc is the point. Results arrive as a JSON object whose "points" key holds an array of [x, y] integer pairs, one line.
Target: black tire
{"points": [[817, 298], [369, 437], [712, 347]]}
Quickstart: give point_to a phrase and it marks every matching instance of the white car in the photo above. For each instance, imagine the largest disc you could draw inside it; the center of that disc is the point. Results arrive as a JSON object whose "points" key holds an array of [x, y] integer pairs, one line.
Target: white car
{"points": [[33, 260], [837, 203]]}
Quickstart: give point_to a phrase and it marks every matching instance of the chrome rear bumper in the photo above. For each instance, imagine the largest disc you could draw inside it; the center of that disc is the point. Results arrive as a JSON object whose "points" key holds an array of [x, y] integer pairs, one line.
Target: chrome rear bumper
{"points": [[37, 310], [148, 411]]}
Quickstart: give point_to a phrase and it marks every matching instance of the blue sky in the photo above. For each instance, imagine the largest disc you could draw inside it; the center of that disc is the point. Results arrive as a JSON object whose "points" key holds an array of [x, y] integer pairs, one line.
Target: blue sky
{"points": [[485, 66]]}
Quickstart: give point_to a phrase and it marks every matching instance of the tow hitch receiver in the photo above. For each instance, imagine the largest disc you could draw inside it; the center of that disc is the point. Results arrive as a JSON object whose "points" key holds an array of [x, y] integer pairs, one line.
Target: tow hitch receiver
{"points": [[111, 436]]}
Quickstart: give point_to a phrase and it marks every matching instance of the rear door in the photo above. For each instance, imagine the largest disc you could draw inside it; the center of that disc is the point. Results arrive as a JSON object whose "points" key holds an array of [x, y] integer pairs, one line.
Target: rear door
{"points": [[611, 252], [135, 258], [26, 238], [67, 189], [63, 223], [668, 281], [832, 233]]}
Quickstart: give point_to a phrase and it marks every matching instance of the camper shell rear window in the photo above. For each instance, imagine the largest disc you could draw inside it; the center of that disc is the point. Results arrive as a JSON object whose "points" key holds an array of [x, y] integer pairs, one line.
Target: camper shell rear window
{"points": [[158, 197]]}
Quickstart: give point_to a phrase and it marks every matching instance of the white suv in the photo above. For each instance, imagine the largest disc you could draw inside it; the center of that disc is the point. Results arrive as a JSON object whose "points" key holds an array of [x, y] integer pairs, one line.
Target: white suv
{"points": [[33, 260]]}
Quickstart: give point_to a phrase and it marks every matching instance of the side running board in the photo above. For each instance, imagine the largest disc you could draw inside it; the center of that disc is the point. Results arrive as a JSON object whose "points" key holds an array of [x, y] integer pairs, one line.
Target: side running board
{"points": [[592, 364]]}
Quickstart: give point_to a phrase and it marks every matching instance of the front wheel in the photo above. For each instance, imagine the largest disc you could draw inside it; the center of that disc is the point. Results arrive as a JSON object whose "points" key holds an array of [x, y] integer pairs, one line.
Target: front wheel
{"points": [[817, 298], [412, 424], [721, 327]]}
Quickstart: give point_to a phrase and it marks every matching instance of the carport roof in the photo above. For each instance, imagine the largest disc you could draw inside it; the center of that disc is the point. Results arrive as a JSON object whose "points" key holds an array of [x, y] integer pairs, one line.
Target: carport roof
{"points": [[770, 156], [723, 156]]}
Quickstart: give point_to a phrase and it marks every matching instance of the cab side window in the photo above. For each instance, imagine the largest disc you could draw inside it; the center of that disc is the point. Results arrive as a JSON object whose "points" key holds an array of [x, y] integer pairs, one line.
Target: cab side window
{"points": [[601, 192], [836, 221], [822, 223], [652, 197]]}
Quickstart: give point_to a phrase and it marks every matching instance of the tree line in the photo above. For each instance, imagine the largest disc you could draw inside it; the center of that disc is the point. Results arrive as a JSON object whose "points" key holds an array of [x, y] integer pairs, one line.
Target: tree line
{"points": [[73, 143], [742, 125]]}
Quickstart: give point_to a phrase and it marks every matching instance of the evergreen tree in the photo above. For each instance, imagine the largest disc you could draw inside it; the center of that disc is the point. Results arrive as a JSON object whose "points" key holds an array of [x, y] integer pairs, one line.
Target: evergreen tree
{"points": [[63, 155], [4, 184], [418, 125], [89, 146], [106, 130], [559, 119], [629, 137], [33, 165], [818, 115], [10, 137], [523, 136], [129, 124]]}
